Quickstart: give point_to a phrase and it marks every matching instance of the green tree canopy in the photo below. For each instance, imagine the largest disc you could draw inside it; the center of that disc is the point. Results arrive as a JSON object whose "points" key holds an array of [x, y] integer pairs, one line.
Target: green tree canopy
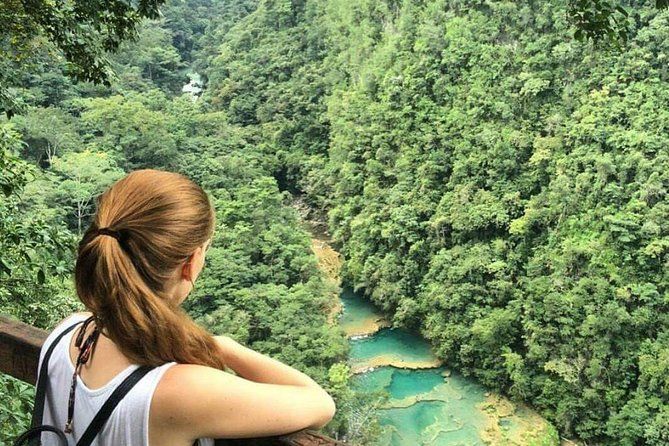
{"points": [[82, 32]]}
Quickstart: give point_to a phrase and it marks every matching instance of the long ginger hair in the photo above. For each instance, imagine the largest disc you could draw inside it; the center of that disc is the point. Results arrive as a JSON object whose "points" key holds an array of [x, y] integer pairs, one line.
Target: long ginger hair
{"points": [[162, 218]]}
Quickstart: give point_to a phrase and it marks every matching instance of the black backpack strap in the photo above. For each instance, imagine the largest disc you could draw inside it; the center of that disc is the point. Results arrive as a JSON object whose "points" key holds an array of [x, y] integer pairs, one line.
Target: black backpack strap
{"points": [[108, 407], [38, 408], [34, 433]]}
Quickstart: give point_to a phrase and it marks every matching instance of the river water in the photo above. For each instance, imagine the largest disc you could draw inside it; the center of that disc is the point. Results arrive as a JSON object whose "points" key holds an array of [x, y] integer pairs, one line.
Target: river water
{"points": [[429, 404]]}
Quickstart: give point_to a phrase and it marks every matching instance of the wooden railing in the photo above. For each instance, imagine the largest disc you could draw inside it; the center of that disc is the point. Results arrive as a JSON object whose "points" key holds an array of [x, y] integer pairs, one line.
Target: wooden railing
{"points": [[20, 346]]}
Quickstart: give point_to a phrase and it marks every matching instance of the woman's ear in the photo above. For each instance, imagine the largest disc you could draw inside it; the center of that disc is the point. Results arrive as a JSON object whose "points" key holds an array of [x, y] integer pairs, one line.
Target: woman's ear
{"points": [[187, 268]]}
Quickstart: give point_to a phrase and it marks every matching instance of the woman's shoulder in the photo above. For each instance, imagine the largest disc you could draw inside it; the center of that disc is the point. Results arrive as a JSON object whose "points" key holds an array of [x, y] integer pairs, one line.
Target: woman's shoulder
{"points": [[172, 400], [177, 384]]}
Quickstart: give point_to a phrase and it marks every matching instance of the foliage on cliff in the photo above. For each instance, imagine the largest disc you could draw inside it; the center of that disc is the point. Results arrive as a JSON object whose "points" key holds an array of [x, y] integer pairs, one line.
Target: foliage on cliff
{"points": [[491, 181]]}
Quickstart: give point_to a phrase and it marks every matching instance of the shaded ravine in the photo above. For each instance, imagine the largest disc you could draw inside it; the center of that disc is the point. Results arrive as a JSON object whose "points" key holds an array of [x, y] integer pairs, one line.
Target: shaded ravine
{"points": [[429, 404]]}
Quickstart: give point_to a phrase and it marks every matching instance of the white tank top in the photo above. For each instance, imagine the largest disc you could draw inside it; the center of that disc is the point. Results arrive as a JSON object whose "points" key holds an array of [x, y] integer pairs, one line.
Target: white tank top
{"points": [[128, 424]]}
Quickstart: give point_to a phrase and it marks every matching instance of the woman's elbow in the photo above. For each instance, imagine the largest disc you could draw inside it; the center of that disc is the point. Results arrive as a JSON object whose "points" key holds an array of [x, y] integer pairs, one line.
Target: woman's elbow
{"points": [[331, 409], [327, 413]]}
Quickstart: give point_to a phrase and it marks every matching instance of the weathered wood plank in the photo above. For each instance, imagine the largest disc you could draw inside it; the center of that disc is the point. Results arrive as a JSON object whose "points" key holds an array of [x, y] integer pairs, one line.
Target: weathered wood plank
{"points": [[19, 349], [20, 346]]}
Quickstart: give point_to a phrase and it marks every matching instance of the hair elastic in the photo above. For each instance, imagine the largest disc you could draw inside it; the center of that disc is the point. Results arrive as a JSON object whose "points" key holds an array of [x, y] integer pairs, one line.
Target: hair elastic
{"points": [[108, 231]]}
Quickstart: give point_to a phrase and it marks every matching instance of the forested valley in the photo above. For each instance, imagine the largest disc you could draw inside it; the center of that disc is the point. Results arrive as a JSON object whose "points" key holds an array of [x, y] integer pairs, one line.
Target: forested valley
{"points": [[491, 181]]}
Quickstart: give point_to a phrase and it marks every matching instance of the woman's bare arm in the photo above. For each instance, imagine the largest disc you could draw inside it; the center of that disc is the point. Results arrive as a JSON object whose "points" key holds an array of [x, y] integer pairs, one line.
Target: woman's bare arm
{"points": [[193, 401], [257, 367]]}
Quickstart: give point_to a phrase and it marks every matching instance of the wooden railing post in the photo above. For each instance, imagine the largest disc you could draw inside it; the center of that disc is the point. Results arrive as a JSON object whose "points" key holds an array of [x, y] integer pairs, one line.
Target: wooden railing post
{"points": [[20, 346]]}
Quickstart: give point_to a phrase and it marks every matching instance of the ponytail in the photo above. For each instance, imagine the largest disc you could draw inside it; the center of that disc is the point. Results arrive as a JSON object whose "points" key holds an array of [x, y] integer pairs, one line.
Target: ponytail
{"points": [[162, 218]]}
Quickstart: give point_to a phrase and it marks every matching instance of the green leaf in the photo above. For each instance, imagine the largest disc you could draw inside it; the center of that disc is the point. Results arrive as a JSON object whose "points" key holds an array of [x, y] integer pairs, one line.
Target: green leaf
{"points": [[41, 277], [5, 267]]}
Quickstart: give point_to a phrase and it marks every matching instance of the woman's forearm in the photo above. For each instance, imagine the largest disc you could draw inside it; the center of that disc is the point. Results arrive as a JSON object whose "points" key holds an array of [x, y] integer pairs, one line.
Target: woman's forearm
{"points": [[257, 367]]}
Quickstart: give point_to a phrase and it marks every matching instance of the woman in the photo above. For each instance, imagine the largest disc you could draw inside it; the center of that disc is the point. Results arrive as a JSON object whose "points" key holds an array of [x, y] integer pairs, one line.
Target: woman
{"points": [[136, 264]]}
